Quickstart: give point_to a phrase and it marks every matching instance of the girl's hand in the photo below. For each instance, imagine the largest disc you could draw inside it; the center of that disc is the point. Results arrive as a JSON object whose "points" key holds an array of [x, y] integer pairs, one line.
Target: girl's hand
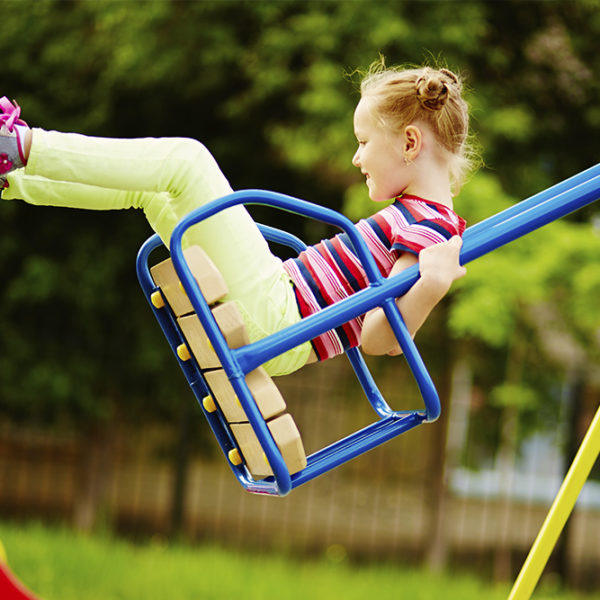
{"points": [[439, 264]]}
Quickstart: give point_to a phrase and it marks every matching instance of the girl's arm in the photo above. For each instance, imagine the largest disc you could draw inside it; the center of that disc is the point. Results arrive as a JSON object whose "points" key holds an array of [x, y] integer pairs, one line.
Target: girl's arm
{"points": [[438, 268]]}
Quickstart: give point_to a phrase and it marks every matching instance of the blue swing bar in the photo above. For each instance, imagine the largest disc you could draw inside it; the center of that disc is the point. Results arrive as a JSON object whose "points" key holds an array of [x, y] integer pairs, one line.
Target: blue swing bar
{"points": [[484, 237], [363, 374]]}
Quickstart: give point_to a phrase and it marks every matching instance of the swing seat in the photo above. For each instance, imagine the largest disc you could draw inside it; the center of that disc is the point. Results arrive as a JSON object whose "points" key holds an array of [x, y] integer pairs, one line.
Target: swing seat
{"points": [[222, 396], [241, 403]]}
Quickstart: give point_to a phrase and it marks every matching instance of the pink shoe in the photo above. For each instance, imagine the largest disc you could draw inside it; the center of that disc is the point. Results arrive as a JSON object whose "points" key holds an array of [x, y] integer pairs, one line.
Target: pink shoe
{"points": [[12, 134]]}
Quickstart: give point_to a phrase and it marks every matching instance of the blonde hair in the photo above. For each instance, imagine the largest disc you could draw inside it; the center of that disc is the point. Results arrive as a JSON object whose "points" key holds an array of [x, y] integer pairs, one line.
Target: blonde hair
{"points": [[433, 96]]}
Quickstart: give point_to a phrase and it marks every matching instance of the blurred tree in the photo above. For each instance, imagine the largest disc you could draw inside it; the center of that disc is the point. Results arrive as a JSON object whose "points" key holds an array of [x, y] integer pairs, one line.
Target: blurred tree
{"points": [[270, 88]]}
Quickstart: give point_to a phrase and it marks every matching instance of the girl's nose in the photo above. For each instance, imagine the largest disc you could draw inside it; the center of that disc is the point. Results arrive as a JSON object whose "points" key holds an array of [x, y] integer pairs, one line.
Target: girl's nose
{"points": [[356, 159]]}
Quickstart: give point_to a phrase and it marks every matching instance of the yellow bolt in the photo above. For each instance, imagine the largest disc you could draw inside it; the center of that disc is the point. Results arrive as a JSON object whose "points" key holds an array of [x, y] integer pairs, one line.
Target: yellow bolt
{"points": [[209, 404], [209, 345], [183, 352], [157, 299], [235, 457]]}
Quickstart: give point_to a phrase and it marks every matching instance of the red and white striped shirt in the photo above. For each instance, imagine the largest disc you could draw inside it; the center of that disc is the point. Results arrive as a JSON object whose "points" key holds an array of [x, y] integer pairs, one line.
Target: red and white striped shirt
{"points": [[330, 271]]}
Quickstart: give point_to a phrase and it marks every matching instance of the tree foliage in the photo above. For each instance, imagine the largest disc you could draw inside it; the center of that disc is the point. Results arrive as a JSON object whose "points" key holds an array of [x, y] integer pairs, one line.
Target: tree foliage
{"points": [[270, 87]]}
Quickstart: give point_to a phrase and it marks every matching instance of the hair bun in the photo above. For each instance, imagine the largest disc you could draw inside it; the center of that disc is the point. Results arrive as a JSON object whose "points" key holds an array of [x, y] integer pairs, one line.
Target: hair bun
{"points": [[433, 88]]}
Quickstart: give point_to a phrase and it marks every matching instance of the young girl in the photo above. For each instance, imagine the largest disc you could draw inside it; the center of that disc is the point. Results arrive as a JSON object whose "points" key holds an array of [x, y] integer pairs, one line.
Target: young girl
{"points": [[411, 126]]}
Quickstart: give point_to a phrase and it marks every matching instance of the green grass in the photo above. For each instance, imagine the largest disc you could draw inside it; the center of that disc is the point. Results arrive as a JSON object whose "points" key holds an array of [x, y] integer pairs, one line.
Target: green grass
{"points": [[59, 564]]}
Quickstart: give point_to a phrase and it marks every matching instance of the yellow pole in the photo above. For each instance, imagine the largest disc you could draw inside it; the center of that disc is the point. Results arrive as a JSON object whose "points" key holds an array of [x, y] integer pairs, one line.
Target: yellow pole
{"points": [[559, 513]]}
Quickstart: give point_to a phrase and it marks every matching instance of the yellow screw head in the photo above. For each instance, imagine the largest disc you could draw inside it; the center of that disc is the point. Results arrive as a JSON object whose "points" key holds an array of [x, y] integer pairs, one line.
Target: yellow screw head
{"points": [[235, 457], [157, 299], [209, 404], [183, 352]]}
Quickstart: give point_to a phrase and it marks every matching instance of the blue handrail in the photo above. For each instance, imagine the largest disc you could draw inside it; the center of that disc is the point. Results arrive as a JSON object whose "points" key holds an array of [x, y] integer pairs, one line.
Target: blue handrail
{"points": [[253, 355]]}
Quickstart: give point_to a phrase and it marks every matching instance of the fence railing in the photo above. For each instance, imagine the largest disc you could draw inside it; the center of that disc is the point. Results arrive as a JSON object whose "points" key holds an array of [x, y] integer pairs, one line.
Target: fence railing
{"points": [[375, 507]]}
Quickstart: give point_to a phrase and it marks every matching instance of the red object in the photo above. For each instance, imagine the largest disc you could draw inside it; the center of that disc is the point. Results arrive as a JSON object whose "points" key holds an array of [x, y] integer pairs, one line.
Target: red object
{"points": [[11, 588]]}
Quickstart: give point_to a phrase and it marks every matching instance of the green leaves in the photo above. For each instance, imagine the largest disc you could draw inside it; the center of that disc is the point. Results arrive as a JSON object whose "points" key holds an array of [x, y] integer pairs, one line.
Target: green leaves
{"points": [[509, 395], [265, 86]]}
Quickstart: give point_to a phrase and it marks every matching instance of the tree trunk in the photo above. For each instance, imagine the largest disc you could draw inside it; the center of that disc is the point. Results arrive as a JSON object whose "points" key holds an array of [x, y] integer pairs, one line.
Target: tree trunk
{"points": [[506, 465], [506, 462], [456, 428], [436, 556], [95, 469], [573, 411], [181, 471]]}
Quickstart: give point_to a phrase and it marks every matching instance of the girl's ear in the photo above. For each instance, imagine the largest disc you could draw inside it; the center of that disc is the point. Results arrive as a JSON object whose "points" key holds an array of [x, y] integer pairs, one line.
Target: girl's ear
{"points": [[413, 142]]}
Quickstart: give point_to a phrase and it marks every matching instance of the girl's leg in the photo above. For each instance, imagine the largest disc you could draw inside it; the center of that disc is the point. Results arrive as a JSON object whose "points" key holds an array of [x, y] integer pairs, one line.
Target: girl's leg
{"points": [[182, 168], [40, 191], [180, 175], [167, 178]]}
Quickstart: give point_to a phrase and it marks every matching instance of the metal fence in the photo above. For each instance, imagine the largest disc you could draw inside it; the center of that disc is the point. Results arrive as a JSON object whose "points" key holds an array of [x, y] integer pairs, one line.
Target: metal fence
{"points": [[378, 507]]}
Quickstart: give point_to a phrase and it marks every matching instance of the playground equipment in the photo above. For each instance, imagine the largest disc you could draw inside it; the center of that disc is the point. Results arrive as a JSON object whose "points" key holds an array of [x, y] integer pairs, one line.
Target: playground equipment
{"points": [[241, 361], [242, 404], [559, 513], [10, 587]]}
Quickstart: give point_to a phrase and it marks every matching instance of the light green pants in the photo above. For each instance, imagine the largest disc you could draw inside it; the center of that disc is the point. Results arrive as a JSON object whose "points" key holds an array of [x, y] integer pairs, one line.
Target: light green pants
{"points": [[167, 178]]}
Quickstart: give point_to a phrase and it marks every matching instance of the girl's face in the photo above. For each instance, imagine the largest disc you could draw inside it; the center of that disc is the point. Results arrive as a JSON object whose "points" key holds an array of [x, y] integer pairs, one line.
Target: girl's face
{"points": [[380, 154]]}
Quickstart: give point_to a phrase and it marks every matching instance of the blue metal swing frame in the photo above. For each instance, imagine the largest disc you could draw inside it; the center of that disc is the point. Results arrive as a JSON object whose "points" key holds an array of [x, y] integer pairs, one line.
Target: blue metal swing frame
{"points": [[492, 233]]}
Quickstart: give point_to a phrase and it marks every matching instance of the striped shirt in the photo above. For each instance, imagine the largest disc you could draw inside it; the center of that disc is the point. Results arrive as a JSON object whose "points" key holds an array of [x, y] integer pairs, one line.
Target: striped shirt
{"points": [[330, 270]]}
